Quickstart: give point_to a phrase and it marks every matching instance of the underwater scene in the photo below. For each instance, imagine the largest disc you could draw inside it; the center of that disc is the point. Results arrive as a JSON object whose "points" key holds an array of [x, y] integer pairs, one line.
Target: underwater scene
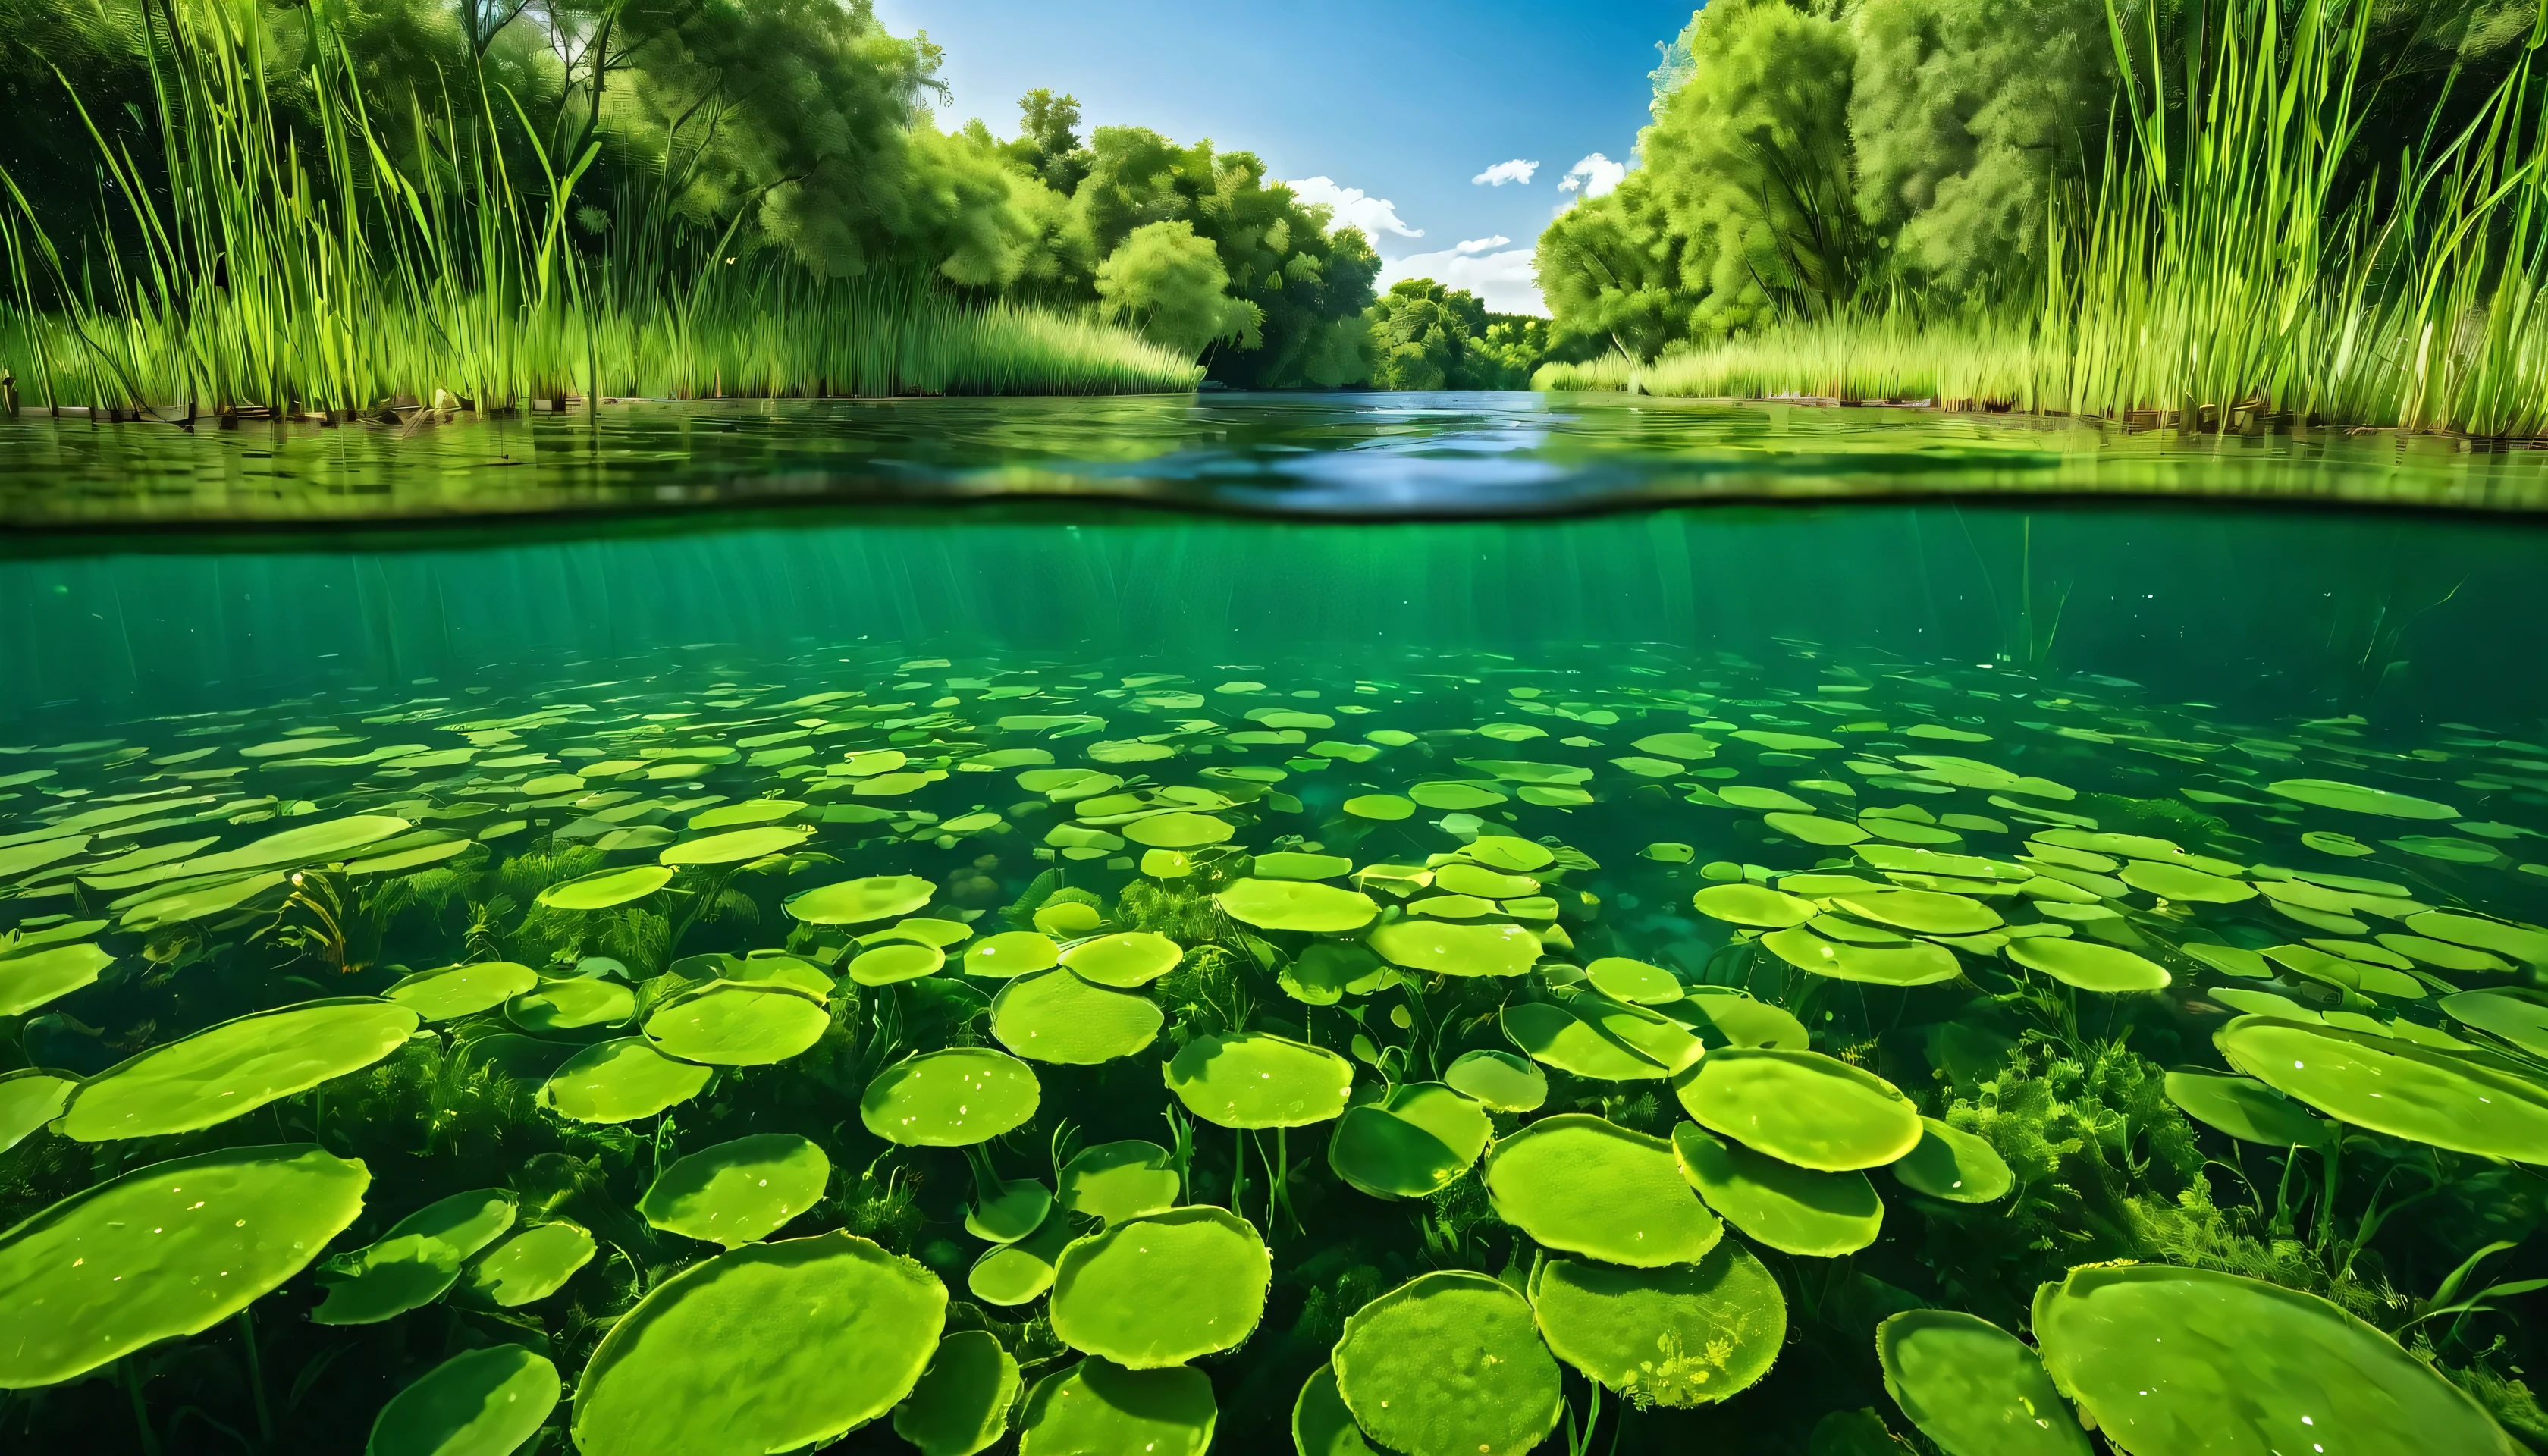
{"points": [[1967, 975]]}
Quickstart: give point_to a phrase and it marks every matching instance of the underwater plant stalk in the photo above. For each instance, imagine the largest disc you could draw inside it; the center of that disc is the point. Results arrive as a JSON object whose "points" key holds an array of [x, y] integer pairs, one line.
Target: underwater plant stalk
{"points": [[257, 1377]]}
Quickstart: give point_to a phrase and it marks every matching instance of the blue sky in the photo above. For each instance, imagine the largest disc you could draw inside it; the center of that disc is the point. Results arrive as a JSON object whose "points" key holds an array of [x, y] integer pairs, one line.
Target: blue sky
{"points": [[1401, 101]]}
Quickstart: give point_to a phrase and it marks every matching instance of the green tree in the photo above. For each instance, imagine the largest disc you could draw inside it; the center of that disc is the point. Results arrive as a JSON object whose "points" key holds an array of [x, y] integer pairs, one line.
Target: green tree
{"points": [[1425, 336], [1170, 284]]}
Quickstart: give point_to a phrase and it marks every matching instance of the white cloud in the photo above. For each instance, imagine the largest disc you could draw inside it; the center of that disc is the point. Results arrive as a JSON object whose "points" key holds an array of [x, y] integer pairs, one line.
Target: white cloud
{"points": [[1482, 245], [1500, 173], [1505, 280], [1353, 207], [1597, 175]]}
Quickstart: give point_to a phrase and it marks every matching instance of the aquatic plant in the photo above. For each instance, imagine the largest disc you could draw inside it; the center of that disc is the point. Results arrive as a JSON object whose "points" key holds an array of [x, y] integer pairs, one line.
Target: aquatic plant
{"points": [[1241, 1099]]}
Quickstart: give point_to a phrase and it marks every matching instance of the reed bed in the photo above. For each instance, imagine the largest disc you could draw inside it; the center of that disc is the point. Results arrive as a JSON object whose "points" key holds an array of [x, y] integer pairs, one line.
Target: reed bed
{"points": [[346, 275], [2232, 264]]}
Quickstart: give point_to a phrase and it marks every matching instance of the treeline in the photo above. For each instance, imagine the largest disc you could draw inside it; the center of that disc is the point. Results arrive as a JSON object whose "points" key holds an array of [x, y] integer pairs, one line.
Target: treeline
{"points": [[674, 139], [1821, 156]]}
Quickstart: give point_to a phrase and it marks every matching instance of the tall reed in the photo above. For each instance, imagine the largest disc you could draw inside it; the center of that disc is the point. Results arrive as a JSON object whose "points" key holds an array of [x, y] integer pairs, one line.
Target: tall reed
{"points": [[387, 276]]}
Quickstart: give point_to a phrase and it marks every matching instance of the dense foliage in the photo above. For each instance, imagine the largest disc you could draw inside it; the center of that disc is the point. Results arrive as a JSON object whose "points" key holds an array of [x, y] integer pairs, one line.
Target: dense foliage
{"points": [[1430, 337]]}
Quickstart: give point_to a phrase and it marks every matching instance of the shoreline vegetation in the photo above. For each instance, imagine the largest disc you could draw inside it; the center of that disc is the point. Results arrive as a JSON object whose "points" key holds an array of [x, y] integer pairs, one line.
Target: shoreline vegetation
{"points": [[2264, 212]]}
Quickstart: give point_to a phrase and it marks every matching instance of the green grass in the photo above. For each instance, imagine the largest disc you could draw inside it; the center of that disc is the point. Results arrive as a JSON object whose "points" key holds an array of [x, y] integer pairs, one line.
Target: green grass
{"points": [[257, 284], [2228, 266]]}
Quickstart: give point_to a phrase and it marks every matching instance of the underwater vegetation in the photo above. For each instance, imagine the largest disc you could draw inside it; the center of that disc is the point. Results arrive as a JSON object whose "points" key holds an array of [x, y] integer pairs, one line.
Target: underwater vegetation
{"points": [[1830, 1054]]}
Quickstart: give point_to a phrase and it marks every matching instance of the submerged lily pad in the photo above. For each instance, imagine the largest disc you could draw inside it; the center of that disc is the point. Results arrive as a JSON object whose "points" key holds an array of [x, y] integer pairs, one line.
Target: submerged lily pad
{"points": [[736, 1193], [1010, 954], [2089, 965], [1097, 1408], [232, 1069], [1019, 1272], [1252, 1079], [1682, 1335], [462, 990], [608, 888], [1973, 1388], [895, 962], [1589, 1186], [571, 1003], [862, 901], [30, 980], [954, 1098], [30, 1099], [1558, 1038], [1412, 1144], [1320, 1423], [1164, 1289], [170, 1249], [1056, 1016], [1449, 1364], [1911, 963], [1923, 912], [2395, 1087], [1115, 1181], [1456, 950], [526, 1266], [415, 1262], [2246, 1108], [482, 1402], [1802, 1108], [2328, 793], [621, 1081], [2191, 1360], [2522, 1022], [768, 1347], [739, 1023], [1636, 981], [1126, 960], [734, 847], [1793, 1209], [962, 1405], [1954, 1165], [1500, 1081], [1297, 904]]}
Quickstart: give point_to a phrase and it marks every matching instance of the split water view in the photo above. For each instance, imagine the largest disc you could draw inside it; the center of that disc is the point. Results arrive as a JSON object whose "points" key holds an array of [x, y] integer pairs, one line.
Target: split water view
{"points": [[738, 727]]}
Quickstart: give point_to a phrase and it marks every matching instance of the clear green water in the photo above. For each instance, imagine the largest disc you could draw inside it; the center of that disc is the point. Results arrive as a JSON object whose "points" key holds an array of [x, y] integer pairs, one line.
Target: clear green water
{"points": [[2012, 800]]}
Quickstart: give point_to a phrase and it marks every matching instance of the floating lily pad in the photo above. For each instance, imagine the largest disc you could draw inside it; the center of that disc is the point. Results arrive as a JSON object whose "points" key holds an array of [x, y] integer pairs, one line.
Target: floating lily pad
{"points": [[1099, 1409], [1721, 1018], [1802, 1108], [2089, 965], [1107, 1291], [1500, 1081], [1793, 1209], [739, 1192], [1320, 1423], [861, 902], [1179, 831], [1412, 1144], [1461, 877], [1682, 1335], [1923, 912], [2394, 1087], [1973, 1388], [621, 1081], [2178, 882], [1498, 850], [1448, 1364], [462, 990], [28, 1100], [1586, 1185], [2520, 942], [201, 903], [1456, 950], [1010, 954], [1454, 796], [1021, 1270], [165, 1250], [526, 1266], [483, 1403], [415, 1262], [962, 1405], [1115, 1181], [739, 1023], [30, 980], [2522, 1022], [1954, 1165], [736, 845], [1558, 1038], [1911, 963], [309, 844], [1386, 807], [1054, 1016], [232, 1069], [2329, 794], [1752, 905], [608, 888], [1814, 829], [2247, 1109], [1126, 960], [954, 1098], [2192, 1360], [897, 961], [1252, 1079], [1297, 904], [571, 1003], [768, 1347]]}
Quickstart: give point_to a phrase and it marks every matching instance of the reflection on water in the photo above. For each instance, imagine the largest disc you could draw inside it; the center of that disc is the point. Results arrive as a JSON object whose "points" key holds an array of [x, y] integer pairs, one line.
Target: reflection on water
{"points": [[1344, 455]]}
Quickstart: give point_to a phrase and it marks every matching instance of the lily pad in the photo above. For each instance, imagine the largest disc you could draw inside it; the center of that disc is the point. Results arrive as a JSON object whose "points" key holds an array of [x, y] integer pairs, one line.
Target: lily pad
{"points": [[2192, 1360], [1252, 1079], [1589, 1186], [1954, 1165], [1802, 1107], [1019, 1271], [1097, 1408], [1558, 1038], [482, 1402], [1456, 796], [1297, 904], [1107, 1291], [768, 1347], [462, 990], [2329, 794], [739, 1023], [862, 901], [2178, 882], [2395, 1087], [1923, 912], [739, 1192], [1126, 960], [2520, 942], [232, 1069], [1722, 1017], [1754, 905], [609, 888], [169, 1249], [2089, 965], [897, 961], [1498, 850], [571, 1003], [962, 1405], [1412, 1144], [2522, 1022], [2246, 1108], [1449, 1364], [1115, 1181], [1010, 954], [1320, 1423], [1054, 1016], [1385, 807], [30, 1099], [415, 1262], [1682, 1335], [30, 980], [954, 1098], [1421, 943], [1973, 1388], [1912, 963], [1500, 1081], [526, 1266], [734, 847], [1793, 1209], [621, 1081], [1179, 831]]}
